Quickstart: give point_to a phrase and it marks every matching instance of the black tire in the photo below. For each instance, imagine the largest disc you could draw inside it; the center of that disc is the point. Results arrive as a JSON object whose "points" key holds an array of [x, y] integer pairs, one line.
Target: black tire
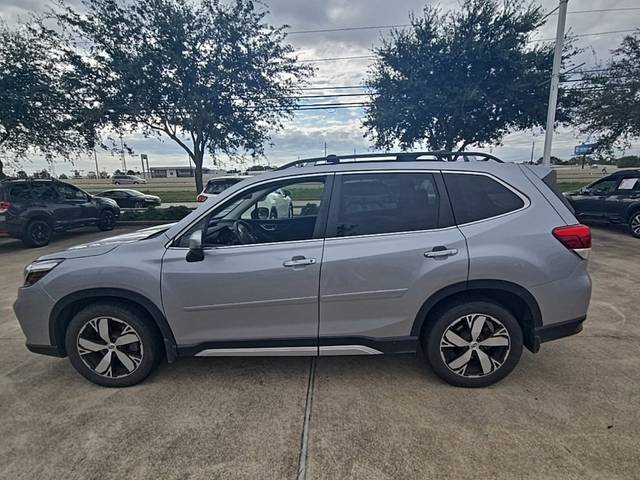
{"points": [[116, 183], [634, 224], [147, 352], [107, 220], [499, 360], [274, 213], [37, 233]]}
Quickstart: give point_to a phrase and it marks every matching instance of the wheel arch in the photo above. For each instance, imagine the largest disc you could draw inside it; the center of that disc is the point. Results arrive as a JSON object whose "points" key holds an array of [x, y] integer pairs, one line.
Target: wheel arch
{"points": [[64, 310], [631, 210], [510, 295]]}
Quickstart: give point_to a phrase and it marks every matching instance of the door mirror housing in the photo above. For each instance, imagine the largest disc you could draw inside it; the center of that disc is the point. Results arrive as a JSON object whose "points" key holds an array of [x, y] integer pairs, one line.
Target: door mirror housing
{"points": [[196, 252], [260, 213]]}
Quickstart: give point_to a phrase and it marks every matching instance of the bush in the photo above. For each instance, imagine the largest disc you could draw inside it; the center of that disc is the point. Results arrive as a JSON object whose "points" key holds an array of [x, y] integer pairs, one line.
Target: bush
{"points": [[156, 214]]}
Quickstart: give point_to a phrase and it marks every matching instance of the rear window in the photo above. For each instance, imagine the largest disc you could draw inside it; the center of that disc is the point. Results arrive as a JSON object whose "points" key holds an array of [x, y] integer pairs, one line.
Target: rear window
{"points": [[477, 197], [219, 186], [384, 203]]}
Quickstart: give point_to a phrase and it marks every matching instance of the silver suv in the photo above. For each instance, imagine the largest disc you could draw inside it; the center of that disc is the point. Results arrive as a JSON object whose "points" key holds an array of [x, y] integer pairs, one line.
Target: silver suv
{"points": [[468, 260]]}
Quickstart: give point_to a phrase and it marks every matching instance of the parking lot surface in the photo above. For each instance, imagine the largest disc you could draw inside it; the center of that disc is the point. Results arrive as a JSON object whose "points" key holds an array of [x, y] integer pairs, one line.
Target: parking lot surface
{"points": [[572, 411]]}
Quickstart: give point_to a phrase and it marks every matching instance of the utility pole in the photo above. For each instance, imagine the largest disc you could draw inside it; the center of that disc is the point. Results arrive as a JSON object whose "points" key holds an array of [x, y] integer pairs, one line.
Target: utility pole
{"points": [[124, 161], [325, 149], [555, 80], [95, 159]]}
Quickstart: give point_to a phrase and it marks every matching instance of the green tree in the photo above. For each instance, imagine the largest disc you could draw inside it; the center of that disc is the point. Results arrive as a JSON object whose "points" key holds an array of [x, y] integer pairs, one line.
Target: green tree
{"points": [[211, 76], [36, 113], [465, 77], [610, 106]]}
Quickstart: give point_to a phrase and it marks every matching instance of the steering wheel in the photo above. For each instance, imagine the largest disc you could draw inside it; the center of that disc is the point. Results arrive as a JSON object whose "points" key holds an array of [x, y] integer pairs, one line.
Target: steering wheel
{"points": [[243, 232]]}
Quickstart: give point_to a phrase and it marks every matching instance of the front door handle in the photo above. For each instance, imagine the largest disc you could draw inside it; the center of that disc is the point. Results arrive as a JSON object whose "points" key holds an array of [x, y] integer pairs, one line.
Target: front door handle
{"points": [[440, 251], [299, 261]]}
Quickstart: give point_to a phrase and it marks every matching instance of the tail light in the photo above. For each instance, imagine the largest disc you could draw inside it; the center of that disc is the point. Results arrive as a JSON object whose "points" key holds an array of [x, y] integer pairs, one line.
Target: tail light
{"points": [[575, 237], [4, 207], [201, 198]]}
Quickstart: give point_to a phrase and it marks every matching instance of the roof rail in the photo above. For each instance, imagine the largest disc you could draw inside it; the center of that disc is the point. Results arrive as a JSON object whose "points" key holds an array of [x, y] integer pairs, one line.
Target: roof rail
{"points": [[437, 156]]}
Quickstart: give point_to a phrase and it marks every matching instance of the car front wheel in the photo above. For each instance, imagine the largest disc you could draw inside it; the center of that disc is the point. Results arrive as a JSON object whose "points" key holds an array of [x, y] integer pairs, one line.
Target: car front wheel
{"points": [[106, 221], [112, 345], [473, 344], [634, 224]]}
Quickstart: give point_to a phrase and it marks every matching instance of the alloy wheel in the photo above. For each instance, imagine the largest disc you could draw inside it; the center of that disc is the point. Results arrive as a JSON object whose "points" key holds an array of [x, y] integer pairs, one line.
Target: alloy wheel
{"points": [[635, 224], [40, 233], [475, 345], [107, 219], [110, 347]]}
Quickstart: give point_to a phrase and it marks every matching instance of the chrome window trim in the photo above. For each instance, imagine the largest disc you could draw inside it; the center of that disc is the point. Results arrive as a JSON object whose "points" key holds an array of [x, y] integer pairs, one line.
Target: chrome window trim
{"points": [[523, 197], [271, 180], [226, 247]]}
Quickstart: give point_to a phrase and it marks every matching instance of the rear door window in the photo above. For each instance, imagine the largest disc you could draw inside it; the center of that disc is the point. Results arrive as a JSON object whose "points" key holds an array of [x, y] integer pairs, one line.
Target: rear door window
{"points": [[378, 203], [478, 197], [44, 191]]}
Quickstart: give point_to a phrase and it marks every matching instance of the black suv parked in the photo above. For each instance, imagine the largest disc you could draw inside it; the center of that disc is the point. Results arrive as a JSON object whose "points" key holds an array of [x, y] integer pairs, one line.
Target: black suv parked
{"points": [[614, 199], [33, 209]]}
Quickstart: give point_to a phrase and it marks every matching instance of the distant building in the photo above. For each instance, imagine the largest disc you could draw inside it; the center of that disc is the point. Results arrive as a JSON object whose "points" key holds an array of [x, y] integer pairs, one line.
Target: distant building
{"points": [[183, 171]]}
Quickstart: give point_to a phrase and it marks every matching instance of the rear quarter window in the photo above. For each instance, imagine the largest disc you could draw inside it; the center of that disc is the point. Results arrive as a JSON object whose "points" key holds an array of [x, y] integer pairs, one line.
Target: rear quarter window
{"points": [[478, 197], [20, 193]]}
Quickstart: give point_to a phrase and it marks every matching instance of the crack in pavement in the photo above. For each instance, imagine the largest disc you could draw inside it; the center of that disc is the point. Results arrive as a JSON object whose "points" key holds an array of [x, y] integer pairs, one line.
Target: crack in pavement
{"points": [[304, 442]]}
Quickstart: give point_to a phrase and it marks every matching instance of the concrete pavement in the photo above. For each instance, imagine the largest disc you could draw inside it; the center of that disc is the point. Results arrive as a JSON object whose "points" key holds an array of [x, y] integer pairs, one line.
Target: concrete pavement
{"points": [[570, 411]]}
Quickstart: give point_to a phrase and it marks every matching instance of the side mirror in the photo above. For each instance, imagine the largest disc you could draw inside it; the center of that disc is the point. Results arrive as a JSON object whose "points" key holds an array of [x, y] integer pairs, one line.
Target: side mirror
{"points": [[260, 213], [287, 193], [196, 253]]}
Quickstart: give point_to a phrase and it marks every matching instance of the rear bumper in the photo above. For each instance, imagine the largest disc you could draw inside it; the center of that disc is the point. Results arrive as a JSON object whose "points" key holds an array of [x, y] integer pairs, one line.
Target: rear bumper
{"points": [[557, 330]]}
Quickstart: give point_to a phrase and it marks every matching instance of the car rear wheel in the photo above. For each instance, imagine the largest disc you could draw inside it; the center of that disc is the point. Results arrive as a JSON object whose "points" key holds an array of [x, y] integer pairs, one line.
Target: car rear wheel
{"points": [[37, 233], [112, 345], [634, 224], [106, 221], [473, 344]]}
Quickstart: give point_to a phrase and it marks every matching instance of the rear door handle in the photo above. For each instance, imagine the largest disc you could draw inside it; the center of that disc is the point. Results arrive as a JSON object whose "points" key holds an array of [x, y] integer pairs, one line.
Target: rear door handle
{"points": [[299, 261], [437, 252]]}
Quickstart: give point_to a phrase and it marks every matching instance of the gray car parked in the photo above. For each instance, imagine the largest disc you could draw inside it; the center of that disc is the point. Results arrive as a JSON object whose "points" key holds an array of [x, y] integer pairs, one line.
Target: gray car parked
{"points": [[470, 260]]}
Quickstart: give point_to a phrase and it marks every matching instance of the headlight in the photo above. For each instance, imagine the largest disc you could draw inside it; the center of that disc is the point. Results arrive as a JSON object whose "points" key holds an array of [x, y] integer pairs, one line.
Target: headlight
{"points": [[36, 270]]}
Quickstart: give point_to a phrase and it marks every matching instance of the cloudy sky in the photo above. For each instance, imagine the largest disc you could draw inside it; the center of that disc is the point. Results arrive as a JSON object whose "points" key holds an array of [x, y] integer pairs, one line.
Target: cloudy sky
{"points": [[341, 128]]}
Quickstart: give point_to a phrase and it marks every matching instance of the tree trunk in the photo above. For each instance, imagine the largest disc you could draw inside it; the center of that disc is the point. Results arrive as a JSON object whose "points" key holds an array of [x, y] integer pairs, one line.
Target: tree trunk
{"points": [[1, 170], [198, 158]]}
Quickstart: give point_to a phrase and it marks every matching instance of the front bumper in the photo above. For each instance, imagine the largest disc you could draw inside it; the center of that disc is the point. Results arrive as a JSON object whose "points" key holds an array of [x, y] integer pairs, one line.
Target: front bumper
{"points": [[33, 309], [557, 330]]}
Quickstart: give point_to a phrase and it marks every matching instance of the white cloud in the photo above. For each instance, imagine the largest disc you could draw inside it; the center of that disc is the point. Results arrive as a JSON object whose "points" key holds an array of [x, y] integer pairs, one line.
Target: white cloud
{"points": [[306, 134]]}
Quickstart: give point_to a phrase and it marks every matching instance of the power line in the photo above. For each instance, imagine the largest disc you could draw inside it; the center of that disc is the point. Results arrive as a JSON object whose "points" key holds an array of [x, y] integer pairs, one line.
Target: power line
{"points": [[360, 57], [403, 25]]}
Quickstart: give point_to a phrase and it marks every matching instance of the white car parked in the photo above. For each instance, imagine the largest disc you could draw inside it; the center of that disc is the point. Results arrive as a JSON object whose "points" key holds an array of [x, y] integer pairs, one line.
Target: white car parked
{"points": [[278, 202]]}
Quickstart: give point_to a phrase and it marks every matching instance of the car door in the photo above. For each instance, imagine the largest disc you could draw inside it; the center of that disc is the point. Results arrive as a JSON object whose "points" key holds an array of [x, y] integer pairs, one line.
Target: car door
{"points": [[590, 203], [256, 289], [391, 243], [626, 193], [68, 205]]}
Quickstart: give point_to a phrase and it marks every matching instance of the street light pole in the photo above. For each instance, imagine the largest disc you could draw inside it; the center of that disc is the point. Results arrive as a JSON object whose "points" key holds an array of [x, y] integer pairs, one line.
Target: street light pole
{"points": [[555, 80]]}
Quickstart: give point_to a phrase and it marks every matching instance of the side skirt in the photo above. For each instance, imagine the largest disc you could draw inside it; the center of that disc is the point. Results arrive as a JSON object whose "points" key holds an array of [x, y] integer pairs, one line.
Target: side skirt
{"points": [[327, 346]]}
